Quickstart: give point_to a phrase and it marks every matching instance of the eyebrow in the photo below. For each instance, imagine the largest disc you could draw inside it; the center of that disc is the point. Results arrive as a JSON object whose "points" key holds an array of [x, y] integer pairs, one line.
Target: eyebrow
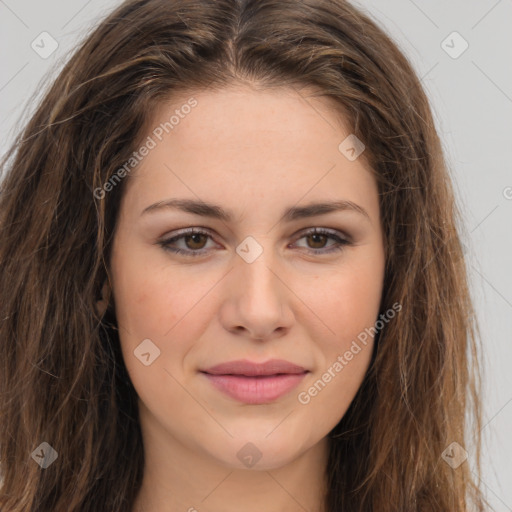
{"points": [[205, 209]]}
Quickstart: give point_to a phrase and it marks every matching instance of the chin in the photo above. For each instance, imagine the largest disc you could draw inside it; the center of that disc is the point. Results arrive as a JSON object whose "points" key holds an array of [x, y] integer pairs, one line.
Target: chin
{"points": [[256, 453]]}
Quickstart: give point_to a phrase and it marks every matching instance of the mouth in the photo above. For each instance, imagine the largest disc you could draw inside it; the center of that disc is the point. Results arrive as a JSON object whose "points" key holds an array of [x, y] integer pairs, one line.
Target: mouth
{"points": [[253, 383]]}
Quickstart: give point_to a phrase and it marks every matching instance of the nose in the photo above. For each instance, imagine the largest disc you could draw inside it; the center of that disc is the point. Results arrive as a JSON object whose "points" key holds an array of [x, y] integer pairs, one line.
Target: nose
{"points": [[257, 299]]}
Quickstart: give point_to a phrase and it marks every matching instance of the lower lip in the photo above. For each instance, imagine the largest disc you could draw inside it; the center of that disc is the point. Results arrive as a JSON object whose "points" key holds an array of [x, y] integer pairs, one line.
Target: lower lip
{"points": [[255, 390]]}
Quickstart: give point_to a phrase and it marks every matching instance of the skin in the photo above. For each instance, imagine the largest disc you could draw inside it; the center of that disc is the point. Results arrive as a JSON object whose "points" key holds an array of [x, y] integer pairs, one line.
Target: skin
{"points": [[255, 153]]}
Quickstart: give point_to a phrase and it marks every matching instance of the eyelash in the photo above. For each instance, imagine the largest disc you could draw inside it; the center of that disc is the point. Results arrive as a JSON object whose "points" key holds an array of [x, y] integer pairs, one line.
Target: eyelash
{"points": [[341, 242]]}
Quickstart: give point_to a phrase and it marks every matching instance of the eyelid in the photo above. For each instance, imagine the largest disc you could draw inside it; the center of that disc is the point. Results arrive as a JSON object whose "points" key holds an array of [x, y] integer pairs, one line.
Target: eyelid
{"points": [[299, 234], [334, 234], [324, 230]]}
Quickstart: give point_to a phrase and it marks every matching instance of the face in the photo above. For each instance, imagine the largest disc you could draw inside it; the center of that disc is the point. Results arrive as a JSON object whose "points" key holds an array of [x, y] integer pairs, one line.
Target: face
{"points": [[254, 282]]}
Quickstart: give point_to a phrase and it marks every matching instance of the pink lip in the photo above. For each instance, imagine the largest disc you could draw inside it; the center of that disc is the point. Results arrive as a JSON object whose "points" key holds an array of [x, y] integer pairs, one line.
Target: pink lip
{"points": [[254, 383]]}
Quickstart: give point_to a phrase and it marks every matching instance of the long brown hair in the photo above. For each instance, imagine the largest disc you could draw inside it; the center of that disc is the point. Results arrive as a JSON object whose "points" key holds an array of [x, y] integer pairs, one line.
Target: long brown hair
{"points": [[62, 376]]}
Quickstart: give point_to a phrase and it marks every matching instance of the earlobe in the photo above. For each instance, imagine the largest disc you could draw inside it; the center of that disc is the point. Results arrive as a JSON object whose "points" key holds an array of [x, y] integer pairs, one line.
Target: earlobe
{"points": [[103, 303]]}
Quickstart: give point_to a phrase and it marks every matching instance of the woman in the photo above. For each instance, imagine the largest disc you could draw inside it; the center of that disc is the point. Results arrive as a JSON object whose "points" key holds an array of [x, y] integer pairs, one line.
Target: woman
{"points": [[312, 352]]}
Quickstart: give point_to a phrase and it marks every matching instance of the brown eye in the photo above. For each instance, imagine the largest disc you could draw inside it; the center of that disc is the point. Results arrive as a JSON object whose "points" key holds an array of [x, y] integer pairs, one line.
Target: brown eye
{"points": [[198, 240], [189, 243], [318, 240], [194, 242]]}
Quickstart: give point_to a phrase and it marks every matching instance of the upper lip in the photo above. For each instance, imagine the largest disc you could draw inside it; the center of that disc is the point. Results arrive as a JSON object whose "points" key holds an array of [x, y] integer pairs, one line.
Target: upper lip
{"points": [[251, 369]]}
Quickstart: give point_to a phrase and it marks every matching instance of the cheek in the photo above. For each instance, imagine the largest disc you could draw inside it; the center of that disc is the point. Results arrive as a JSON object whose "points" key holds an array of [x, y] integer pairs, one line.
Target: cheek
{"points": [[152, 299], [153, 304], [162, 304], [348, 307], [347, 301]]}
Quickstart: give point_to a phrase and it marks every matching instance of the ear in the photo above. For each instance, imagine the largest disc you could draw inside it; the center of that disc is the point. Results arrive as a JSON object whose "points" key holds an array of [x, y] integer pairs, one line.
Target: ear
{"points": [[103, 303]]}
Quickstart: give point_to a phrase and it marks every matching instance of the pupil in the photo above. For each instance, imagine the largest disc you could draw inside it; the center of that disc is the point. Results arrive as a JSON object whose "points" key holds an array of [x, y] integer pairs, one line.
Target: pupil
{"points": [[316, 235], [195, 237]]}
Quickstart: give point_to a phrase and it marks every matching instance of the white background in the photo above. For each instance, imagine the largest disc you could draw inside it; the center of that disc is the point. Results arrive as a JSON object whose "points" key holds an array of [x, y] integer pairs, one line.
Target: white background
{"points": [[472, 102]]}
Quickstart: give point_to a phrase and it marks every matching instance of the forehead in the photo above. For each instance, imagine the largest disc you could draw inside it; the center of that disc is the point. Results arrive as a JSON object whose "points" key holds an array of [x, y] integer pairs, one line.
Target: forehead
{"points": [[242, 144], [237, 114]]}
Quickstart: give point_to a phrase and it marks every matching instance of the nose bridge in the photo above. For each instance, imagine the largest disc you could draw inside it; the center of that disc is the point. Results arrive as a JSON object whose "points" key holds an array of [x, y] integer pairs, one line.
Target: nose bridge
{"points": [[256, 299], [256, 261], [257, 274]]}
